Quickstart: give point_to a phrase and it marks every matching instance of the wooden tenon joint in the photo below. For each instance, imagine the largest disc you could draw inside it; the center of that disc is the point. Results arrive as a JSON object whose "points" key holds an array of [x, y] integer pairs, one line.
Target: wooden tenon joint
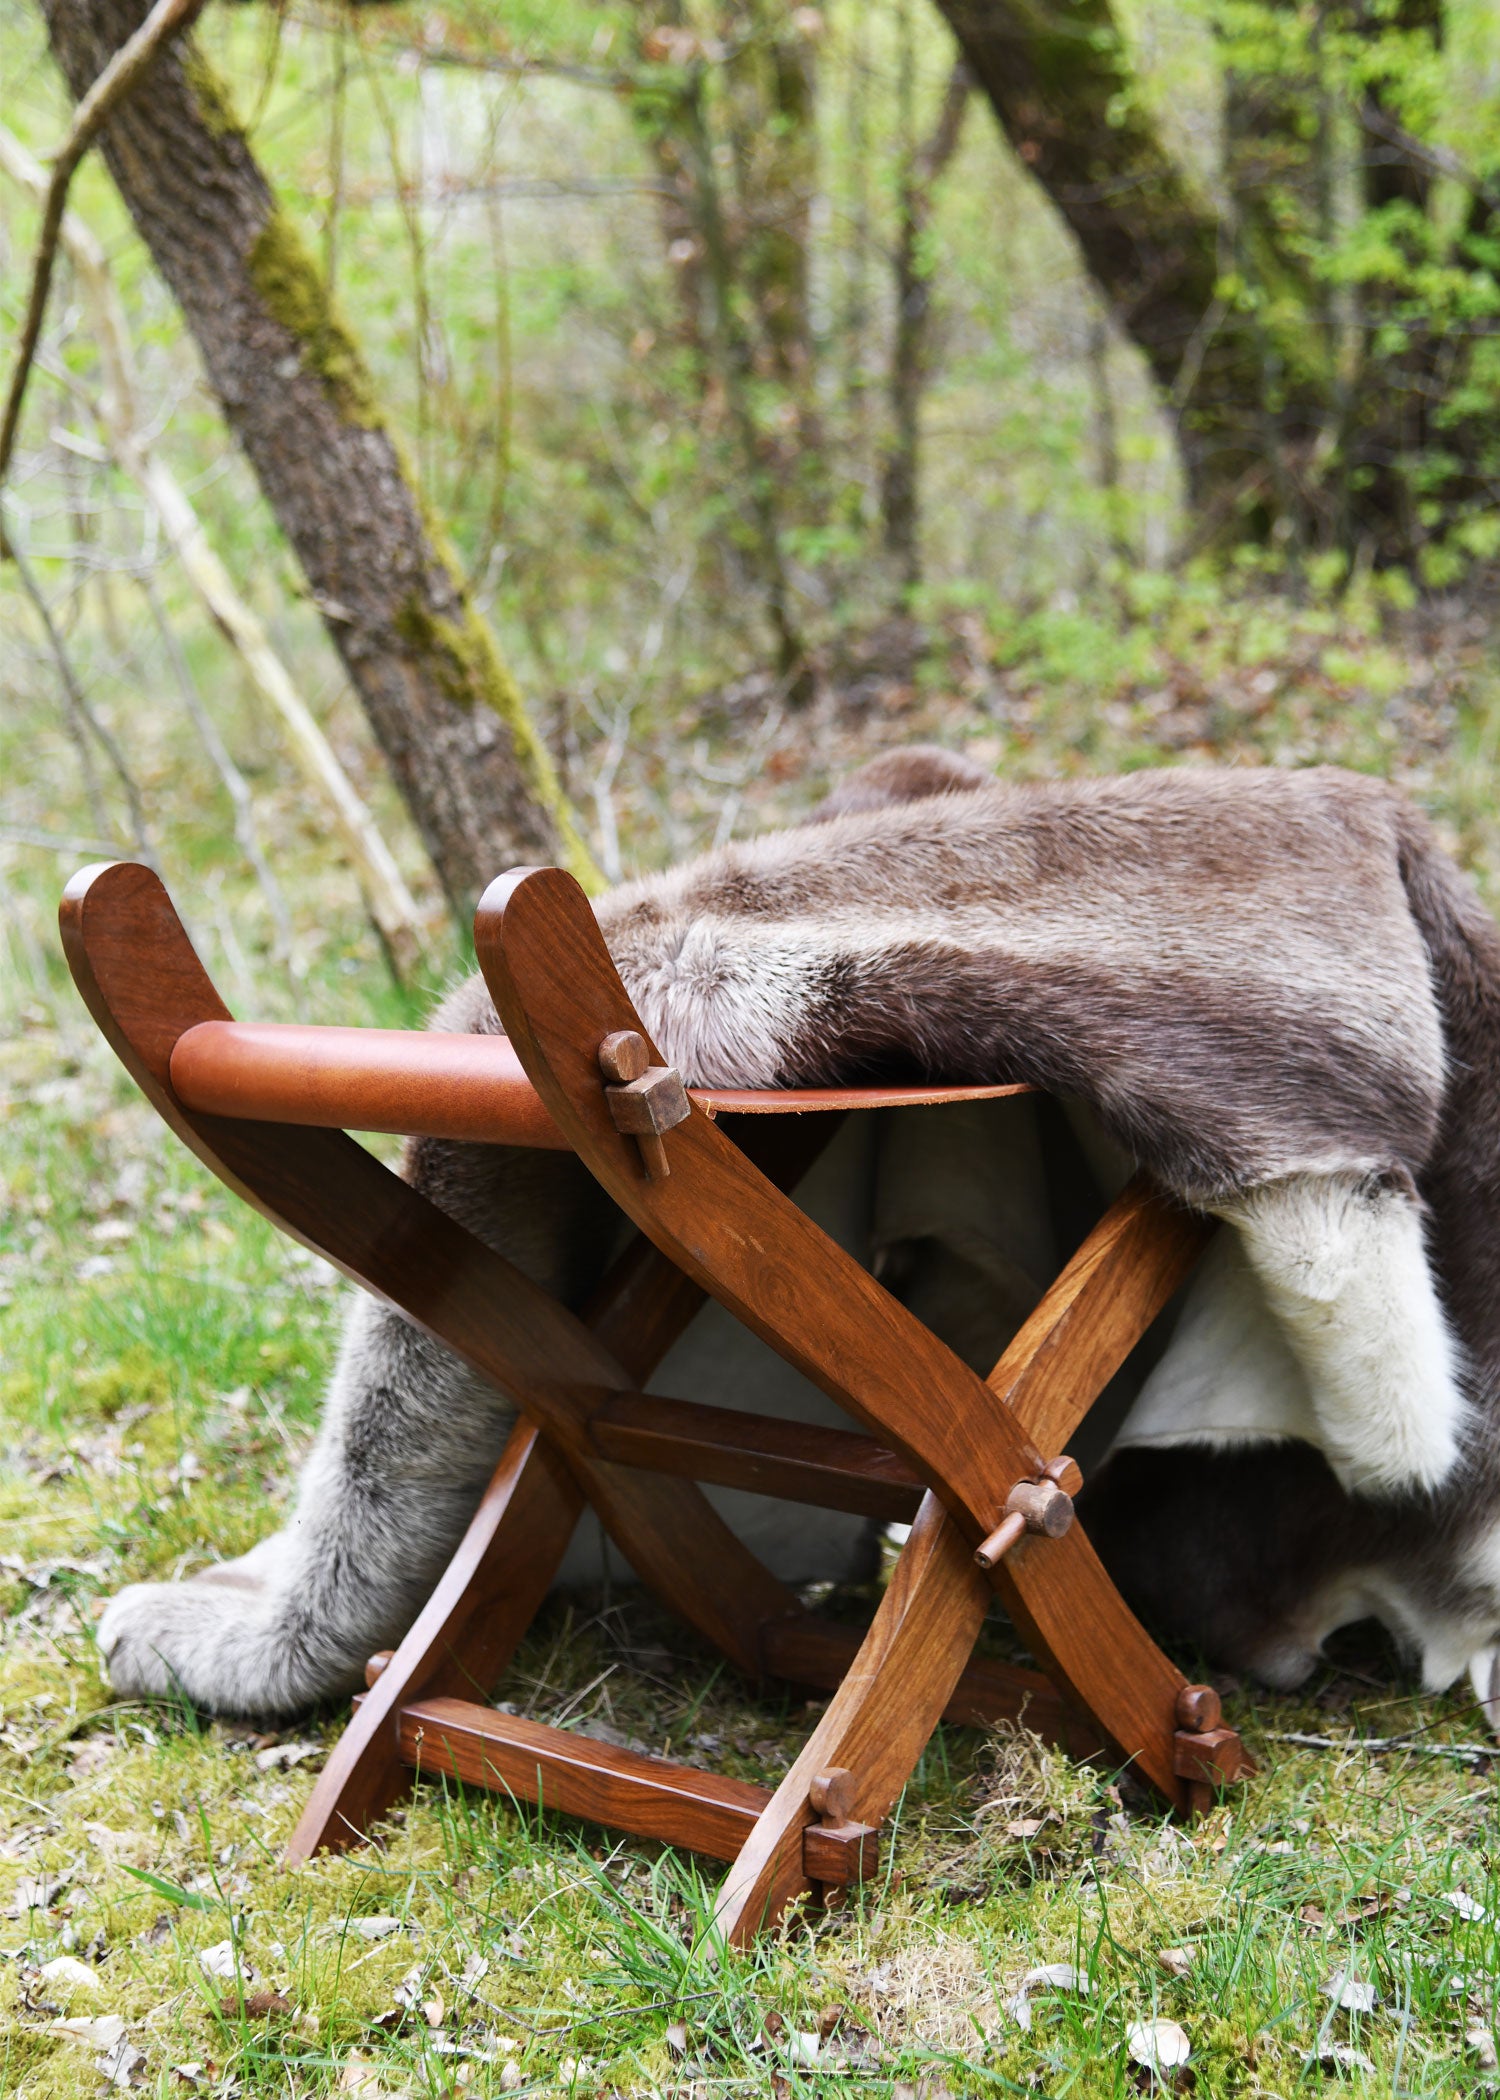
{"points": [[645, 1100], [1205, 1753], [837, 1848], [1043, 1506]]}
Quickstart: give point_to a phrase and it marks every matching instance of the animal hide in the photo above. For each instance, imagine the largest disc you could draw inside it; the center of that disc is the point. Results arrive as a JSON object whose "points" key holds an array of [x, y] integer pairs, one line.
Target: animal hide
{"points": [[1271, 989]]}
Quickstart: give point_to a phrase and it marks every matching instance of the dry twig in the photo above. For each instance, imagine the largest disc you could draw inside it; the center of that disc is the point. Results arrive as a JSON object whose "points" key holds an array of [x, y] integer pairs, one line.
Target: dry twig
{"points": [[129, 64], [117, 411]]}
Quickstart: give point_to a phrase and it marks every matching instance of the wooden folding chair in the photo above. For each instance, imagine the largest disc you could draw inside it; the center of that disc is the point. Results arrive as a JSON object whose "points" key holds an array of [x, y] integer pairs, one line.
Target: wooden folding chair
{"points": [[973, 1464]]}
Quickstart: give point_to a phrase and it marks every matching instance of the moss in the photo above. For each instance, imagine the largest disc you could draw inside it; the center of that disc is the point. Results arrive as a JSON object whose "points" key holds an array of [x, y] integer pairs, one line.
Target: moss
{"points": [[470, 669], [210, 94], [295, 293]]}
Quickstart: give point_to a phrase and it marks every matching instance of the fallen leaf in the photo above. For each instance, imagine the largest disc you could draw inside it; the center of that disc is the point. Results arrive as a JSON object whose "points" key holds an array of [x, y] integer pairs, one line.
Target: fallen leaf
{"points": [[476, 1968], [510, 2075], [828, 2020], [677, 2038], [283, 1755], [432, 2009], [1466, 1906], [222, 1961], [259, 2005], [100, 2033], [86, 1758], [68, 1973], [1349, 1994], [1337, 2056], [1481, 2041], [803, 2044], [1160, 2045], [120, 2062], [1053, 1976], [1057, 1976], [1312, 1914], [37, 1892], [377, 1928], [1177, 1961], [1026, 1826]]}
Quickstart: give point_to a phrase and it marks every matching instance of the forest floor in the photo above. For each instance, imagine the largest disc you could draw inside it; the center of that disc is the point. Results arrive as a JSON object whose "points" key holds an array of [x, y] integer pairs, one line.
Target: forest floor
{"points": [[164, 1352]]}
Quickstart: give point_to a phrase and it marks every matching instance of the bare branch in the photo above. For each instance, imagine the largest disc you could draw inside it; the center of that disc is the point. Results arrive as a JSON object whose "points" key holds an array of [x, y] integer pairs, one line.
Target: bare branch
{"points": [[128, 66], [1438, 160], [236, 787], [83, 723], [392, 908]]}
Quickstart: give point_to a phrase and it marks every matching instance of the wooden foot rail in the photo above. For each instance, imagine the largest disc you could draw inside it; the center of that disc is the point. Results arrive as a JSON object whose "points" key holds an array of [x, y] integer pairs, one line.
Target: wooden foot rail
{"points": [[977, 1468]]}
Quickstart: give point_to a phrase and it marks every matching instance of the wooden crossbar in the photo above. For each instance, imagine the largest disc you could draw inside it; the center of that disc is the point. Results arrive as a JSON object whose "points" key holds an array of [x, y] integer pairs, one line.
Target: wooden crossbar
{"points": [[977, 1469], [603, 1782], [795, 1461], [430, 1083]]}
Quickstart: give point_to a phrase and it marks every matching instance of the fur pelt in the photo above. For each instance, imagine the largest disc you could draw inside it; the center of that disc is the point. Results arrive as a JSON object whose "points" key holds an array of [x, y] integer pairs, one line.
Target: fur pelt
{"points": [[1272, 989]]}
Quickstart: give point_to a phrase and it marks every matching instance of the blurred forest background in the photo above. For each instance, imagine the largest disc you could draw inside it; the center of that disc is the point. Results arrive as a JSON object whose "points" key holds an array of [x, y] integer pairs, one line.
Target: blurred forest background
{"points": [[468, 433]]}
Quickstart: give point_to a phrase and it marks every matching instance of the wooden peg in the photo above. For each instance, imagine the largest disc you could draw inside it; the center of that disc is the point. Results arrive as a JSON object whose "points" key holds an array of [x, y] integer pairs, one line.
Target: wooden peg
{"points": [[1065, 1473], [376, 1664], [1211, 1756], [832, 1794], [1198, 1708], [623, 1057], [998, 1544], [645, 1100], [1032, 1505], [836, 1848], [1047, 1509]]}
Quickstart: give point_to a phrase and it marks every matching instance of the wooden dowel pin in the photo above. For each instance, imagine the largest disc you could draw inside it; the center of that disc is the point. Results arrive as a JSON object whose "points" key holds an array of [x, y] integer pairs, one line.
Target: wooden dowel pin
{"points": [[1044, 1506], [645, 1100], [836, 1848]]}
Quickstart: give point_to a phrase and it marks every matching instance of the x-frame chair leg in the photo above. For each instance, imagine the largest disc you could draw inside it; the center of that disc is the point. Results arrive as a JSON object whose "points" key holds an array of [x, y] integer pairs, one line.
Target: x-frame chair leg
{"points": [[719, 1220]]}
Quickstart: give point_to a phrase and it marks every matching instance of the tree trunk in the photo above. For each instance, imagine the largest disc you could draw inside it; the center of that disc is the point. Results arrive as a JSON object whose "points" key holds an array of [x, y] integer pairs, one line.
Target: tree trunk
{"points": [[445, 710], [922, 169], [1059, 78]]}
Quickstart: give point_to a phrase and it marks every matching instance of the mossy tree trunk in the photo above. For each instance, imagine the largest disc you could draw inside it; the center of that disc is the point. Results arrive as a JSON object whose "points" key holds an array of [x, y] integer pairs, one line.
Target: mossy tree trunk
{"points": [[1059, 78], [1305, 416], [912, 269], [444, 708]]}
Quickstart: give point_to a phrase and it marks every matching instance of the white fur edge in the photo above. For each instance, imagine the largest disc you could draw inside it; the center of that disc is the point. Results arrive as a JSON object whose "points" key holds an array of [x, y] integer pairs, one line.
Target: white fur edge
{"points": [[1344, 1269]]}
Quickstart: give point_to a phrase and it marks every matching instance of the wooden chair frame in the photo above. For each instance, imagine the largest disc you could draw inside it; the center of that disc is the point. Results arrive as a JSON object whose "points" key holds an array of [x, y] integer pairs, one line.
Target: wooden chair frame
{"points": [[968, 1461]]}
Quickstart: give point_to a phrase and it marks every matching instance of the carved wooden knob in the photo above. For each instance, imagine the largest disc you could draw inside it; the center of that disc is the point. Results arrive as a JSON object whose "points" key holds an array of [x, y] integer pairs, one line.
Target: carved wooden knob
{"points": [[623, 1056]]}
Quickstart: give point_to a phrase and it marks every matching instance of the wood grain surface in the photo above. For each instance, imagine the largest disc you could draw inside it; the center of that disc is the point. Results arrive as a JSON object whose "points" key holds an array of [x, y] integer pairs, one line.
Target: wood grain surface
{"points": [[764, 1454], [1096, 1311], [558, 1769], [877, 1722], [723, 1223]]}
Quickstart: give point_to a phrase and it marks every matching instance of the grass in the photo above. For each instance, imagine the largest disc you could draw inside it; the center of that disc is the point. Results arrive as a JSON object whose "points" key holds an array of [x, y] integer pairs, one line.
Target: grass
{"points": [[163, 1357]]}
